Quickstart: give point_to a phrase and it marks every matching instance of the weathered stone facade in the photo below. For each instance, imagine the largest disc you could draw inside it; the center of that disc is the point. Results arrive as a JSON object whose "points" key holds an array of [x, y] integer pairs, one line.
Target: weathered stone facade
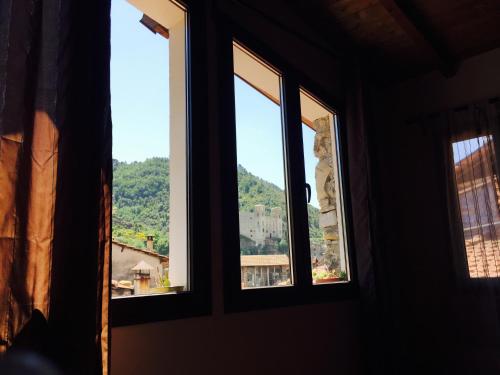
{"points": [[259, 227], [325, 190]]}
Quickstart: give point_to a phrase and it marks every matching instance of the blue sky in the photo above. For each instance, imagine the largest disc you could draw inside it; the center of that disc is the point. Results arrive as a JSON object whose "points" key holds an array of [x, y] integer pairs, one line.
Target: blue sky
{"points": [[139, 87], [258, 134], [310, 161], [465, 148], [259, 137], [140, 105]]}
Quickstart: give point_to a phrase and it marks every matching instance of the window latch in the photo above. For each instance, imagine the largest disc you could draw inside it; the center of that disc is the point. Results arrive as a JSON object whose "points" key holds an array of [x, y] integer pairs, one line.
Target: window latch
{"points": [[308, 192]]}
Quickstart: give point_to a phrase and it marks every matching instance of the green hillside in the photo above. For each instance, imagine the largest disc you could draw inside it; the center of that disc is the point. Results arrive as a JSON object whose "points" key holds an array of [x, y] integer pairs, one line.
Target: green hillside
{"points": [[141, 201]]}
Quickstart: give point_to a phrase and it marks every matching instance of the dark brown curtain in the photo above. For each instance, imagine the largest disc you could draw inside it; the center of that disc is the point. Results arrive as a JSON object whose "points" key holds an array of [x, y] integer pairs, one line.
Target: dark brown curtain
{"points": [[468, 143], [55, 175], [357, 119], [438, 221]]}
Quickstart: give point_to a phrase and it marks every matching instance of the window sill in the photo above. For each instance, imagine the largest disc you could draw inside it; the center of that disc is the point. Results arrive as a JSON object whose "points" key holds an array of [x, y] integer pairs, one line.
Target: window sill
{"points": [[141, 309], [277, 297]]}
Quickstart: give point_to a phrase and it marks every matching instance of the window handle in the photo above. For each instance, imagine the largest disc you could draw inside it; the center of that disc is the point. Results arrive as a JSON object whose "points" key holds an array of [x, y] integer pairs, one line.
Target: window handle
{"points": [[308, 192]]}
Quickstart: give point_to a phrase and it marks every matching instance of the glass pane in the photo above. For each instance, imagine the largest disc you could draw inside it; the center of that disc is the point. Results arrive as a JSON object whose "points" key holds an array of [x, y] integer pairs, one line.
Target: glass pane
{"points": [[478, 192], [325, 209], [148, 87], [263, 218]]}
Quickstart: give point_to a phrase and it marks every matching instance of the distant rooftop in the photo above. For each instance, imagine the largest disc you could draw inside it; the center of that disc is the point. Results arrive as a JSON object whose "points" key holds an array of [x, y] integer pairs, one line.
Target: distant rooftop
{"points": [[264, 260], [145, 251]]}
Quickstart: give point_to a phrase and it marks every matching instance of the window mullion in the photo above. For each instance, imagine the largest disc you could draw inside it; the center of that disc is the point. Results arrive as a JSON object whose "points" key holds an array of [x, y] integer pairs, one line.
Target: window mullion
{"points": [[295, 174]]}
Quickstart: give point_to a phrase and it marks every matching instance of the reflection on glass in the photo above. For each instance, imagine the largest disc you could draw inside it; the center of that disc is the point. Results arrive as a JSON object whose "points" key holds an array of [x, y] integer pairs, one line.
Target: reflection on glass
{"points": [[264, 244], [325, 210], [476, 179], [149, 247]]}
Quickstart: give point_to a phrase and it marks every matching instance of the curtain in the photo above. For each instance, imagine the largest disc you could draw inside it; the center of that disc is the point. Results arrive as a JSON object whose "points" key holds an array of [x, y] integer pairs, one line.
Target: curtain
{"points": [[440, 241], [357, 119], [469, 141], [55, 178]]}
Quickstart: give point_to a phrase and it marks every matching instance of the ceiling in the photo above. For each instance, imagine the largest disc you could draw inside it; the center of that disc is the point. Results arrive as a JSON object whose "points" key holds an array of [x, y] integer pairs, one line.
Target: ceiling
{"points": [[405, 38]]}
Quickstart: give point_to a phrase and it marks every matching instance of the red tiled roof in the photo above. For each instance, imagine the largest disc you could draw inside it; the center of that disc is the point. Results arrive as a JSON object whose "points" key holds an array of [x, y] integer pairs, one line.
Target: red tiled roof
{"points": [[153, 253]]}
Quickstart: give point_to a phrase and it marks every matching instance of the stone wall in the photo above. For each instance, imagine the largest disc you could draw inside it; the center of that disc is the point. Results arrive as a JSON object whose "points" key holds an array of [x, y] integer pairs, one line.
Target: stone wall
{"points": [[257, 225], [326, 192]]}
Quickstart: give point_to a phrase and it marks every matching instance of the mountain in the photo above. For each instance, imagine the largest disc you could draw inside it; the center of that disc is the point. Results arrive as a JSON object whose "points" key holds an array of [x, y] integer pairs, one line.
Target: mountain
{"points": [[141, 201]]}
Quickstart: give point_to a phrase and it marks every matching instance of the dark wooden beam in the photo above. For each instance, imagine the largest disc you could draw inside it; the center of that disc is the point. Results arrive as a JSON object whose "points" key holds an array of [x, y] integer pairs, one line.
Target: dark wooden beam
{"points": [[154, 26], [415, 26]]}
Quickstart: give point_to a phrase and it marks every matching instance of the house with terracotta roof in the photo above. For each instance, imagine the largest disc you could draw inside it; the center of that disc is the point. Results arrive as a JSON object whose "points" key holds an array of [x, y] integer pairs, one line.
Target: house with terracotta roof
{"points": [[479, 199], [125, 259], [264, 270]]}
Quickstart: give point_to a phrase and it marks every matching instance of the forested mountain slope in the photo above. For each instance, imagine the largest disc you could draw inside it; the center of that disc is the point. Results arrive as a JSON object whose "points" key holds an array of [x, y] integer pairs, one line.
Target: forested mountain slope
{"points": [[141, 201]]}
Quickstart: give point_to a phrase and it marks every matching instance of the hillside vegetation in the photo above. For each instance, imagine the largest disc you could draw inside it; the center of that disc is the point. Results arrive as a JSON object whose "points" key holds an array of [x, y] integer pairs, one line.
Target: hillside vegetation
{"points": [[141, 201]]}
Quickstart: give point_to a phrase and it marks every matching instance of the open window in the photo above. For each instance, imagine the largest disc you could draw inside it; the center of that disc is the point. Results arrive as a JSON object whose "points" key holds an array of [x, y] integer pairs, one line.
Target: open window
{"points": [[325, 209], [265, 253], [148, 70], [159, 249]]}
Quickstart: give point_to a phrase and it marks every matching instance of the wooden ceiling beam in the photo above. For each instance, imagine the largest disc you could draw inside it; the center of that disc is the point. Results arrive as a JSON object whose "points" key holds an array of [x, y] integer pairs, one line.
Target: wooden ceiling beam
{"points": [[407, 17]]}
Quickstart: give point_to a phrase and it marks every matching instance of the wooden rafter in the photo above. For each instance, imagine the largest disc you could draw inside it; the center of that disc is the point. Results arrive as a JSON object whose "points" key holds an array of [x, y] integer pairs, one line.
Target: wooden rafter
{"points": [[154, 26], [407, 18]]}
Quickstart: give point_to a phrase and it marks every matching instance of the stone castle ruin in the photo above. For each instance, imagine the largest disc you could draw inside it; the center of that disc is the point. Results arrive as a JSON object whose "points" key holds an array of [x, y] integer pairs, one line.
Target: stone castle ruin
{"points": [[259, 228]]}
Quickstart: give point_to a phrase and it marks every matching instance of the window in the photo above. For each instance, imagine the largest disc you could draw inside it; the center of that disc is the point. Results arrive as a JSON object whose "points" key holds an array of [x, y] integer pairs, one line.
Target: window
{"points": [[478, 196], [263, 209], [327, 237], [148, 83], [278, 249], [160, 250]]}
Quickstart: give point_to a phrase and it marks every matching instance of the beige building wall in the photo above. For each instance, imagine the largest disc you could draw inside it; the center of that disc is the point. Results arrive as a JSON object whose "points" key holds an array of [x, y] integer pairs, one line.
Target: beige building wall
{"points": [[124, 258]]}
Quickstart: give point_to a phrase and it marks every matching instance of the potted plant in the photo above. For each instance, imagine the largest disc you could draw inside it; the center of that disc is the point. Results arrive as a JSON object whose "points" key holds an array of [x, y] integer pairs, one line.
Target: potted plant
{"points": [[162, 282], [325, 277], [328, 272]]}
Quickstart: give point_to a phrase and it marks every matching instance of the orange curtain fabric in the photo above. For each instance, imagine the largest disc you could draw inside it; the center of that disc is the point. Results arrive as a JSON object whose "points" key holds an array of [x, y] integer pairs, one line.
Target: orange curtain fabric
{"points": [[55, 179], [28, 202]]}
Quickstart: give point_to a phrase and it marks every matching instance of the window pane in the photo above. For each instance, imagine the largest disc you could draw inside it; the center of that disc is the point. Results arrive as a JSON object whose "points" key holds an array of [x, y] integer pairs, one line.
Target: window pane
{"points": [[263, 213], [325, 209], [478, 192], [148, 87]]}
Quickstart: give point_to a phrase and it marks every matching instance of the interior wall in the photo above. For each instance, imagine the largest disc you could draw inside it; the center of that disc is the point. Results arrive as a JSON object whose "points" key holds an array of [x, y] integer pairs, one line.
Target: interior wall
{"points": [[321, 338], [433, 325]]}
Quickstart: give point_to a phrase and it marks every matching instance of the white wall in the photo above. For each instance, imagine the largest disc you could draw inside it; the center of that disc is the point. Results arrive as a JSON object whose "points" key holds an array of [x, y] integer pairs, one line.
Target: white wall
{"points": [[300, 340], [478, 78]]}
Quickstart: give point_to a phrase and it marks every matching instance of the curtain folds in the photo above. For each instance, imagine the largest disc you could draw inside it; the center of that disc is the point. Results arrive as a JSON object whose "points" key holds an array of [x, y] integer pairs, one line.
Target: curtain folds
{"points": [[357, 121], [55, 179], [454, 310], [471, 143]]}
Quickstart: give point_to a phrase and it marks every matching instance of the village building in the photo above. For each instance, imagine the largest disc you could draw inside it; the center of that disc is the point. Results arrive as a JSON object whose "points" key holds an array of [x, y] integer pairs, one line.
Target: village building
{"points": [[479, 201], [258, 227], [133, 265], [264, 270]]}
